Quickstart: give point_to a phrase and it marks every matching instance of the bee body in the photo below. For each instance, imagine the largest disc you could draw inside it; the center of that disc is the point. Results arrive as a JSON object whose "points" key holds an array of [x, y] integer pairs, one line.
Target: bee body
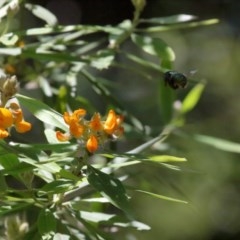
{"points": [[175, 79]]}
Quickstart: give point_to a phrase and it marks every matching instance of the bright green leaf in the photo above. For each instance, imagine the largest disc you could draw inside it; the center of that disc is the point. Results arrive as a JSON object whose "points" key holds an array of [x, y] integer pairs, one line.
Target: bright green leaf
{"points": [[166, 158], [191, 100]]}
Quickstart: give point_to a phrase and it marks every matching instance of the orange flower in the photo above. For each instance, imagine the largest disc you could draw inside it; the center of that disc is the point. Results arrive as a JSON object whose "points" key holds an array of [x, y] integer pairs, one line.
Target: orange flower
{"points": [[112, 123], [95, 123], [62, 137], [76, 129], [6, 121], [92, 144], [6, 118], [20, 125], [73, 120], [23, 126], [91, 133]]}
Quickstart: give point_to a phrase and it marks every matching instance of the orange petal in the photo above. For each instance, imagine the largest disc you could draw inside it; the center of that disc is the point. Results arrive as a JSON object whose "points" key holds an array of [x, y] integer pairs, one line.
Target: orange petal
{"points": [[67, 118], [76, 129], [110, 123], [95, 122], [92, 144], [6, 118], [23, 126], [79, 113], [62, 137], [18, 116]]}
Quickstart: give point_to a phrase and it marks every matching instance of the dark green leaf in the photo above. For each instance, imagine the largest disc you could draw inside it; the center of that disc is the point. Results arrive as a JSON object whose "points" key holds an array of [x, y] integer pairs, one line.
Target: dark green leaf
{"points": [[9, 161], [57, 186], [19, 168], [7, 209], [109, 187], [46, 222]]}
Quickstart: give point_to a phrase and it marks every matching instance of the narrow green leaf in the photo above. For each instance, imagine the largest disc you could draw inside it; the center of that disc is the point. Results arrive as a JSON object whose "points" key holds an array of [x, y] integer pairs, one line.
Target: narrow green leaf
{"points": [[96, 216], [219, 143], [191, 100], [46, 222], [109, 187], [9, 39], [17, 169], [10, 51], [102, 60], [20, 206], [162, 197], [42, 13], [135, 224], [179, 18], [43, 112], [143, 62], [180, 26], [68, 175], [166, 158], [154, 46], [57, 186]]}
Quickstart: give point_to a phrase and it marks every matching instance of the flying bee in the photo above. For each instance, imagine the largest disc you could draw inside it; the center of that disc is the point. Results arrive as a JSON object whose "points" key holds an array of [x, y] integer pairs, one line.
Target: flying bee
{"points": [[175, 79]]}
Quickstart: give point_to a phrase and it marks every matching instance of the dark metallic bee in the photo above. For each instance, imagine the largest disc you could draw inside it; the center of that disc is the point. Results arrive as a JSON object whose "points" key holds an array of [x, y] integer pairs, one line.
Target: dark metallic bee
{"points": [[175, 79]]}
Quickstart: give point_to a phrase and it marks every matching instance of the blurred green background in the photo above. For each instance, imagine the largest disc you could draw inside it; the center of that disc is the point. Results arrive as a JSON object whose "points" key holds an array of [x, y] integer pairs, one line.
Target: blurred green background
{"points": [[210, 179]]}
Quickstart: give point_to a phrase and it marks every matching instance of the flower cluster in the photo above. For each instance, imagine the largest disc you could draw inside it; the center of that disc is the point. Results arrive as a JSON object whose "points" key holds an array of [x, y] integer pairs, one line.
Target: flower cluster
{"points": [[93, 133]]}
